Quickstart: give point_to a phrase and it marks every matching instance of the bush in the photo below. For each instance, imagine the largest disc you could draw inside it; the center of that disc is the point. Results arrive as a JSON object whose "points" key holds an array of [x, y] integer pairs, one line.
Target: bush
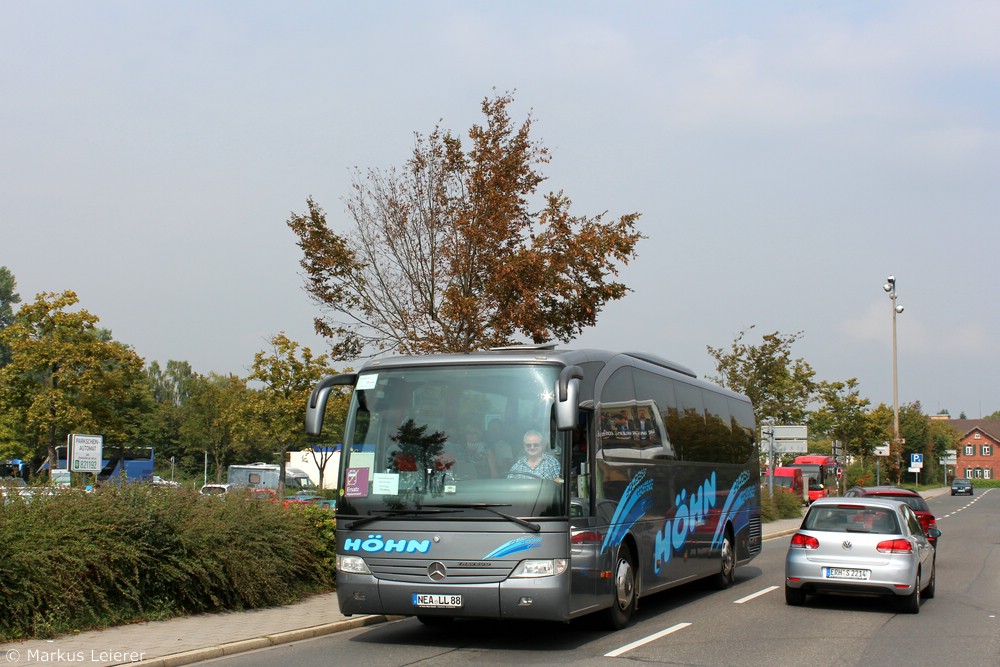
{"points": [[779, 505], [73, 560]]}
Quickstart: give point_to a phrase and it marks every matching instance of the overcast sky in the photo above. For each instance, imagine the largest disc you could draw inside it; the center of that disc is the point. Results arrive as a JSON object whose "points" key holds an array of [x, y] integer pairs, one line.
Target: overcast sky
{"points": [[785, 156]]}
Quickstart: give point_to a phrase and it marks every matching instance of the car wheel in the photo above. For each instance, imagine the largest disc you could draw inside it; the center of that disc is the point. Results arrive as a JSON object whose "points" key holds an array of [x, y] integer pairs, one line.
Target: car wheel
{"points": [[795, 597], [910, 604], [929, 591], [727, 564], [623, 590], [952, 493]]}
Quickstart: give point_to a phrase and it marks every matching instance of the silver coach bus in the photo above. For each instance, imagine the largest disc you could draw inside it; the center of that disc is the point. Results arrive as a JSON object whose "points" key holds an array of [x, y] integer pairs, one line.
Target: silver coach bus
{"points": [[537, 483]]}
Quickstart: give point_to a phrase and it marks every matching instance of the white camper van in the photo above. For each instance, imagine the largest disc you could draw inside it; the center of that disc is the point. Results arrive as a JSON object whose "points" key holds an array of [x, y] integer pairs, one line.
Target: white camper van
{"points": [[265, 476]]}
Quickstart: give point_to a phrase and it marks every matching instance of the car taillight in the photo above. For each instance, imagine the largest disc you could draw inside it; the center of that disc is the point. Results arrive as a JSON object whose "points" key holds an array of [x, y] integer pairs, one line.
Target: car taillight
{"points": [[894, 547], [587, 537], [800, 541]]}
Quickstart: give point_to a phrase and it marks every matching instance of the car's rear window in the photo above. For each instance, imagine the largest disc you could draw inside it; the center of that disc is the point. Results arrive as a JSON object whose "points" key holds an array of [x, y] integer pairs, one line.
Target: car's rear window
{"points": [[916, 503], [848, 519]]}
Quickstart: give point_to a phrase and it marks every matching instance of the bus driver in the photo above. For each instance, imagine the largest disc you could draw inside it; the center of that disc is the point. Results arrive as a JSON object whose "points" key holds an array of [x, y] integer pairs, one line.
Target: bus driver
{"points": [[535, 462]]}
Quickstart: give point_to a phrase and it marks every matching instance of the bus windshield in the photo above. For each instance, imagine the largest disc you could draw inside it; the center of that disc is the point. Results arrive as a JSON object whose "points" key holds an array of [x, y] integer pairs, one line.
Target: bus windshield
{"points": [[459, 441]]}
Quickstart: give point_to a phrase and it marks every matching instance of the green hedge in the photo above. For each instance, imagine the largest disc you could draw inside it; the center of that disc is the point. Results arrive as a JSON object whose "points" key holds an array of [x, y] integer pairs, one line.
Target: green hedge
{"points": [[780, 505], [74, 561]]}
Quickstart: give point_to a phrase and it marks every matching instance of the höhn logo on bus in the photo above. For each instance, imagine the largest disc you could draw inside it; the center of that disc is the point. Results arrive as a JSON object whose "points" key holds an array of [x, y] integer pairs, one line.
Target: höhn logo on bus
{"points": [[690, 513]]}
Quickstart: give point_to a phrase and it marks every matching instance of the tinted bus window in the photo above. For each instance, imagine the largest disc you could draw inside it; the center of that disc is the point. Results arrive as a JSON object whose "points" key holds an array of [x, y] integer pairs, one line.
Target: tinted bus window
{"points": [[686, 425]]}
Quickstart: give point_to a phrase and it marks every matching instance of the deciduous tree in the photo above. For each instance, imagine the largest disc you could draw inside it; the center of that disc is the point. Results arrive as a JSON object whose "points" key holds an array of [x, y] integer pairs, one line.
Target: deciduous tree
{"points": [[8, 299], [779, 386], [68, 376], [842, 416], [455, 252], [208, 418], [276, 411], [170, 388]]}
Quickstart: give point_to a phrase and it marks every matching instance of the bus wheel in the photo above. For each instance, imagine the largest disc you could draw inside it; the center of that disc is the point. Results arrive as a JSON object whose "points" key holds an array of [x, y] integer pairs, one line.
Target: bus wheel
{"points": [[435, 621], [727, 567], [623, 589]]}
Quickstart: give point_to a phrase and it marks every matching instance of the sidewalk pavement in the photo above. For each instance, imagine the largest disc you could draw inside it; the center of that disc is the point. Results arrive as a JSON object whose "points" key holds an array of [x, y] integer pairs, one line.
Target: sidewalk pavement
{"points": [[186, 640]]}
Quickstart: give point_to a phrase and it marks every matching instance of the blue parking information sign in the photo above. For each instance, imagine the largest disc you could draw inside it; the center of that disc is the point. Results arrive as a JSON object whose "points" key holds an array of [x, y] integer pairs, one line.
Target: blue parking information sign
{"points": [[917, 460]]}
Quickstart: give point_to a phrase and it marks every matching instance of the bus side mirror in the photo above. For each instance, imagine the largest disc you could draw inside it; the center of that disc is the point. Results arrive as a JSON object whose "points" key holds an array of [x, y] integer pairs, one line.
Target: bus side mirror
{"points": [[320, 395], [568, 397]]}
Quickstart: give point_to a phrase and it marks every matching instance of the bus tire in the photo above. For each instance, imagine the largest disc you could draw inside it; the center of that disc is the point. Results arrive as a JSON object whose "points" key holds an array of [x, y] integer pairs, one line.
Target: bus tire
{"points": [[623, 589], [727, 563]]}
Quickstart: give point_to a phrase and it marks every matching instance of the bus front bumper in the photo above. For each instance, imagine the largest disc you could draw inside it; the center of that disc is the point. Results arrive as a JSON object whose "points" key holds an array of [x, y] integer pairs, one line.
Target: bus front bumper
{"points": [[545, 598]]}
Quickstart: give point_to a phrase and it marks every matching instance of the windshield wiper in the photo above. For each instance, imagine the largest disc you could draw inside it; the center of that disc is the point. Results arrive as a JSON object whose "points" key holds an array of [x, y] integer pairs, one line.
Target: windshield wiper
{"points": [[385, 514], [489, 507]]}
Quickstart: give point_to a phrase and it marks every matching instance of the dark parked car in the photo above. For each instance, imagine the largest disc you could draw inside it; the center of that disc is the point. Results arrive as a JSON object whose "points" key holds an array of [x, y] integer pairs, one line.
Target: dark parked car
{"points": [[911, 498], [961, 485], [861, 546]]}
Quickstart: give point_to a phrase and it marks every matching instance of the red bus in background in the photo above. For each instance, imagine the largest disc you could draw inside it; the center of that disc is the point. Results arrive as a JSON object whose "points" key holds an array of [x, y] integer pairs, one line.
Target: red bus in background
{"points": [[822, 471], [790, 479]]}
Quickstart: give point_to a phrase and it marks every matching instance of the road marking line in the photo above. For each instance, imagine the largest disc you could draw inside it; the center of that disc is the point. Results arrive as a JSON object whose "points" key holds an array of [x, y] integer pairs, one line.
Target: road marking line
{"points": [[636, 644], [755, 595]]}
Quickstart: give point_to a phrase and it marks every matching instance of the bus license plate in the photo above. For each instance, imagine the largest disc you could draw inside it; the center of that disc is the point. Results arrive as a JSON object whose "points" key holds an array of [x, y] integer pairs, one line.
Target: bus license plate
{"points": [[847, 573], [436, 601]]}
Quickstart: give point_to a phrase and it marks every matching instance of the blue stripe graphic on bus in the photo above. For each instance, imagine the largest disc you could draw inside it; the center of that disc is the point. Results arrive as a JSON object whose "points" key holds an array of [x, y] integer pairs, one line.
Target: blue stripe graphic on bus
{"points": [[734, 509], [515, 546], [633, 506]]}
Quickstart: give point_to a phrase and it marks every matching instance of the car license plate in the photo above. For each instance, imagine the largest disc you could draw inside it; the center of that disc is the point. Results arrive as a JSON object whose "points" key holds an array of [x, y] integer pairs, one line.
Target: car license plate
{"points": [[436, 601], [847, 573]]}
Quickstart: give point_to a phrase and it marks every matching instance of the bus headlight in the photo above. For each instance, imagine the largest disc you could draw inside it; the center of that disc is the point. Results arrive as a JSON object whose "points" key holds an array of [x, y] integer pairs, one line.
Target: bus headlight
{"points": [[528, 569], [352, 564]]}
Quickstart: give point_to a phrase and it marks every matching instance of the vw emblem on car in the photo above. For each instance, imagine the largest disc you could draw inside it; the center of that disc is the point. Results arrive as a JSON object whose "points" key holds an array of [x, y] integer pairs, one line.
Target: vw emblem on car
{"points": [[847, 544], [436, 571]]}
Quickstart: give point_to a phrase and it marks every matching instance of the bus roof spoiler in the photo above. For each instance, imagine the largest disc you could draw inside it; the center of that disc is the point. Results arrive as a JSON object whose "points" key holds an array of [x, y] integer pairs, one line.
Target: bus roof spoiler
{"points": [[524, 346]]}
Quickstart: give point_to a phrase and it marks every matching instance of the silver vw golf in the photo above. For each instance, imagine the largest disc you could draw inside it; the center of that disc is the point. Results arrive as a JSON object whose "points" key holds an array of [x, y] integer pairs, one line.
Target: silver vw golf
{"points": [[861, 546]]}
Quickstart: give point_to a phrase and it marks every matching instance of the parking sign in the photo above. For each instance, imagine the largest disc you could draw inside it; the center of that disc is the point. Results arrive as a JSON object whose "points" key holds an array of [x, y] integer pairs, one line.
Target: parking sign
{"points": [[916, 460], [85, 452]]}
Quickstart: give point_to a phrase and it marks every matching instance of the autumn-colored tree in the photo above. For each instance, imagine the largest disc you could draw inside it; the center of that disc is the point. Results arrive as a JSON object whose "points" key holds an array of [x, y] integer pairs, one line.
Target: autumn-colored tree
{"points": [[778, 386], [275, 412], [456, 252], [67, 376]]}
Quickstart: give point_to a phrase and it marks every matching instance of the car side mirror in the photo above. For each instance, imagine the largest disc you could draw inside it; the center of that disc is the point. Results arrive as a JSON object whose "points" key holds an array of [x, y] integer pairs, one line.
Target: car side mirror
{"points": [[934, 532]]}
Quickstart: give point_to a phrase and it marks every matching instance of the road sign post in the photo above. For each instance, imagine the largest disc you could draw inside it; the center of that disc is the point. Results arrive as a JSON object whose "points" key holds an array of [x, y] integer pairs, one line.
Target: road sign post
{"points": [[916, 463]]}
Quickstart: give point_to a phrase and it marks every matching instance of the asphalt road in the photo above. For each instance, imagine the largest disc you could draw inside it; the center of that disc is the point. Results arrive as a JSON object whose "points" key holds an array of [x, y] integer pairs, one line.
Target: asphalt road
{"points": [[749, 624]]}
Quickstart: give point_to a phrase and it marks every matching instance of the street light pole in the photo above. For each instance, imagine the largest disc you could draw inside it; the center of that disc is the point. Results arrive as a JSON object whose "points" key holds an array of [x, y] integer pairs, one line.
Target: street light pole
{"points": [[890, 288]]}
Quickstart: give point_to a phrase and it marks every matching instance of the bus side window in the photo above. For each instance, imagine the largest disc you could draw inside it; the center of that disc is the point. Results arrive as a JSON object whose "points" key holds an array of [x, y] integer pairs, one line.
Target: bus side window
{"points": [[580, 474]]}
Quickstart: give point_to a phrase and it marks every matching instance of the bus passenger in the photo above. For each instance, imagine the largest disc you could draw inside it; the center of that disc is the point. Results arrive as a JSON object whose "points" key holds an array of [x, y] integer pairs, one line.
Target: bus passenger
{"points": [[471, 459], [535, 463], [498, 451]]}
